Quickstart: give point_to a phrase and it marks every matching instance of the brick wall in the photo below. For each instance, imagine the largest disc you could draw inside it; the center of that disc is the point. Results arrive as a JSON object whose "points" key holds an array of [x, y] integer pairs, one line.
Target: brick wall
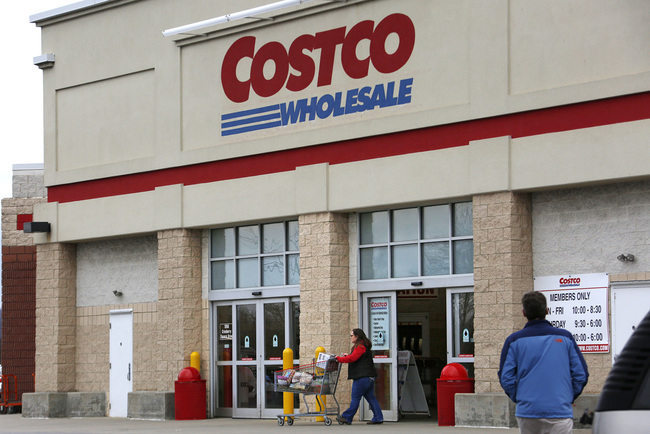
{"points": [[18, 293], [19, 314]]}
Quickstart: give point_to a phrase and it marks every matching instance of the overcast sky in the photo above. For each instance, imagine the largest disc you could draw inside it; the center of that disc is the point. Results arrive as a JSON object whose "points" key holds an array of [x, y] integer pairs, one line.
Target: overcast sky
{"points": [[21, 122]]}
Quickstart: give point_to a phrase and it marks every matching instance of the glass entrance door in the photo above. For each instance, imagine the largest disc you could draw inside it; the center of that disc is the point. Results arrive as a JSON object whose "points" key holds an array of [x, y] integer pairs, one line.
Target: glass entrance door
{"points": [[380, 324], [460, 325], [249, 339]]}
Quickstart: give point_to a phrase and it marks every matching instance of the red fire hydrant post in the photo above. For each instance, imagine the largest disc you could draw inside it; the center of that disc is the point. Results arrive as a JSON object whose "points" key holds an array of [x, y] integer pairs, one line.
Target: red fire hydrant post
{"points": [[453, 379], [189, 395]]}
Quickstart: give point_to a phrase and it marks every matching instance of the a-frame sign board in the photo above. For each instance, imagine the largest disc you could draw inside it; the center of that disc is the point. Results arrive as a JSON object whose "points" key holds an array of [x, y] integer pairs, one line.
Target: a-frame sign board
{"points": [[411, 393]]}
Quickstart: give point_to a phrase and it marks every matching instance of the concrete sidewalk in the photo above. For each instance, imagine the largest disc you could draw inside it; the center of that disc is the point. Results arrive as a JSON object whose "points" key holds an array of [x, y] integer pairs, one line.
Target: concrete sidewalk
{"points": [[15, 423]]}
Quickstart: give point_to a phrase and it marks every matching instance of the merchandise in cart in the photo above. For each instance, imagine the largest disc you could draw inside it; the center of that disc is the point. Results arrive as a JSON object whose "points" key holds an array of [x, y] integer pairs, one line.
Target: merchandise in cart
{"points": [[319, 379]]}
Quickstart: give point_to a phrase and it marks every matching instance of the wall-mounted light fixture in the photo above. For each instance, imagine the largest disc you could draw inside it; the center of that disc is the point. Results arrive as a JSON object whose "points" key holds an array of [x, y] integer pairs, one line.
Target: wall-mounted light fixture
{"points": [[32, 227], [117, 293], [623, 257], [248, 13], [44, 61]]}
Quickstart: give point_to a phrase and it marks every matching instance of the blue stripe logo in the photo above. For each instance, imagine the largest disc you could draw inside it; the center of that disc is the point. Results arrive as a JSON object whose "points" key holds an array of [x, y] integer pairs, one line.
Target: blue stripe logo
{"points": [[308, 109], [250, 120]]}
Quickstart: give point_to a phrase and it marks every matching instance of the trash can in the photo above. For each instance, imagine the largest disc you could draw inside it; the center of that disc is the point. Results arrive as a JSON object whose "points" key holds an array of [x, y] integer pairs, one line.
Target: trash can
{"points": [[453, 379], [189, 395]]}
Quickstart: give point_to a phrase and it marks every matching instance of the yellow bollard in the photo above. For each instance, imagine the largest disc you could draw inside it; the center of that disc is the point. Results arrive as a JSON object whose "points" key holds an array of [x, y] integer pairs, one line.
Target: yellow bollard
{"points": [[320, 406], [287, 397], [195, 361]]}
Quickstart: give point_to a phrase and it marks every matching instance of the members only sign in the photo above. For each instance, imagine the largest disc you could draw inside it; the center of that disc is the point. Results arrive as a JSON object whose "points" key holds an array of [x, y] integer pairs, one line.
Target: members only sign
{"points": [[578, 303]]}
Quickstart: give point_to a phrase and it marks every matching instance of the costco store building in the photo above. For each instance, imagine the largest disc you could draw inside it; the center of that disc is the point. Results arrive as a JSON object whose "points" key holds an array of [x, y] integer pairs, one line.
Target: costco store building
{"points": [[239, 178]]}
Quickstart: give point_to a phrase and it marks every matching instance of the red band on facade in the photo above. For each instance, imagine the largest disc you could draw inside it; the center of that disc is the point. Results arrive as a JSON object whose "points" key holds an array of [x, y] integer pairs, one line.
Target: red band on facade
{"points": [[21, 219], [544, 121]]}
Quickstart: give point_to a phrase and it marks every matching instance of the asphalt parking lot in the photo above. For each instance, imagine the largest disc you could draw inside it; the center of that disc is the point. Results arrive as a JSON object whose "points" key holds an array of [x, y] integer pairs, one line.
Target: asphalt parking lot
{"points": [[15, 423]]}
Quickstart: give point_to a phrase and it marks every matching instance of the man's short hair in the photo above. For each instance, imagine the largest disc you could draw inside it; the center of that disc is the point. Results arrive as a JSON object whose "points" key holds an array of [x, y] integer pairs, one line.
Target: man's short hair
{"points": [[534, 304]]}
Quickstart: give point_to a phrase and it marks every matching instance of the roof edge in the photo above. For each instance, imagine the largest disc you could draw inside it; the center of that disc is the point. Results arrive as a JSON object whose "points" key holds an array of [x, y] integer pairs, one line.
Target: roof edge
{"points": [[67, 9]]}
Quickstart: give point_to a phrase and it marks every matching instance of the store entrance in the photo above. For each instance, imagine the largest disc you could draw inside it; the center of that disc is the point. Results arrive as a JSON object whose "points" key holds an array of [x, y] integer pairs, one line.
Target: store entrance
{"points": [[249, 337], [436, 325]]}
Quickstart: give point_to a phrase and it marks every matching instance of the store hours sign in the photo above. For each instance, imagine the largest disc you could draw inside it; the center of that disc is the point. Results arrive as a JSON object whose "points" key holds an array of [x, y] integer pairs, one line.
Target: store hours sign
{"points": [[578, 303]]}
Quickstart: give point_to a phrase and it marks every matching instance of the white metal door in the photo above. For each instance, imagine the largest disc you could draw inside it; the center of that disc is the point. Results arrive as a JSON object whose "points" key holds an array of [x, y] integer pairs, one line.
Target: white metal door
{"points": [[379, 322], [630, 304], [121, 361]]}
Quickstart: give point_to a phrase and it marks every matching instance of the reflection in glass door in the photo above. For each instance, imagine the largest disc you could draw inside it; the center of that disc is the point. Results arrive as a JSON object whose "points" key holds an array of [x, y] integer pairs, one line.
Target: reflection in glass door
{"points": [[245, 340], [249, 339], [379, 323]]}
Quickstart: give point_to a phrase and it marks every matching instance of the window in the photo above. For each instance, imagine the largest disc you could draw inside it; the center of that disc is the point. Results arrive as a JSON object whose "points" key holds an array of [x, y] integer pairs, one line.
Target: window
{"points": [[255, 256], [433, 240]]}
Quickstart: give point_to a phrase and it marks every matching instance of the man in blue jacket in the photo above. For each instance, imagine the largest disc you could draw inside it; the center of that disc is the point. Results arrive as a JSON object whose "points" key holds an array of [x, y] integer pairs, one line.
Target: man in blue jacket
{"points": [[542, 370]]}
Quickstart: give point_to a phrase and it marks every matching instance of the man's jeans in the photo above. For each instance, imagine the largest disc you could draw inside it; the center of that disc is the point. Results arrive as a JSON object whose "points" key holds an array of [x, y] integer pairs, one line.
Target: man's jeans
{"points": [[363, 387]]}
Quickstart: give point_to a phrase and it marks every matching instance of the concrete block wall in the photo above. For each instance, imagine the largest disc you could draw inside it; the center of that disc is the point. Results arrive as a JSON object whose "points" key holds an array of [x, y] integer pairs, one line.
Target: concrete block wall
{"points": [[580, 230], [503, 272], [56, 317], [325, 296], [93, 346], [73, 340], [27, 181], [128, 265], [181, 310], [13, 210], [162, 342], [324, 289], [583, 230]]}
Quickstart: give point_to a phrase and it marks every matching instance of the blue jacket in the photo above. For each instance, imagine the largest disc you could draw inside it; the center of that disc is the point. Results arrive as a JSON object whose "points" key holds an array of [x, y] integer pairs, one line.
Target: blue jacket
{"points": [[542, 370]]}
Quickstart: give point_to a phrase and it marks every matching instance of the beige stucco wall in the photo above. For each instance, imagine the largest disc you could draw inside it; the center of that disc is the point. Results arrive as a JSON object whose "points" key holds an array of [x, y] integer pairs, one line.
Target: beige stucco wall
{"points": [[614, 152], [110, 114]]}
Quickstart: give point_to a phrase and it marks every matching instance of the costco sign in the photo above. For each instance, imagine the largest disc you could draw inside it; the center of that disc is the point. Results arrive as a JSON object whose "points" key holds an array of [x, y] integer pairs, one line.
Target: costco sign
{"points": [[314, 57]]}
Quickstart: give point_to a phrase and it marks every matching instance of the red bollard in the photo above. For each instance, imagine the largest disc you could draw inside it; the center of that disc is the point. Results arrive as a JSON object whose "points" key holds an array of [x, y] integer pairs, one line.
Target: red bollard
{"points": [[189, 395], [453, 379]]}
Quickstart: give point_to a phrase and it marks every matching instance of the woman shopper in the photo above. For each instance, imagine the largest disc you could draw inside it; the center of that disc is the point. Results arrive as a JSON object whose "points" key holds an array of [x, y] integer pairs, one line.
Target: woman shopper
{"points": [[362, 373]]}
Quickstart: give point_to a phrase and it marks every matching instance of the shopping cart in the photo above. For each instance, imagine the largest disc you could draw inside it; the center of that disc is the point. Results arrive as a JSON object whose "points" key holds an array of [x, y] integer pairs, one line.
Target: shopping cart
{"points": [[8, 393], [319, 378]]}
